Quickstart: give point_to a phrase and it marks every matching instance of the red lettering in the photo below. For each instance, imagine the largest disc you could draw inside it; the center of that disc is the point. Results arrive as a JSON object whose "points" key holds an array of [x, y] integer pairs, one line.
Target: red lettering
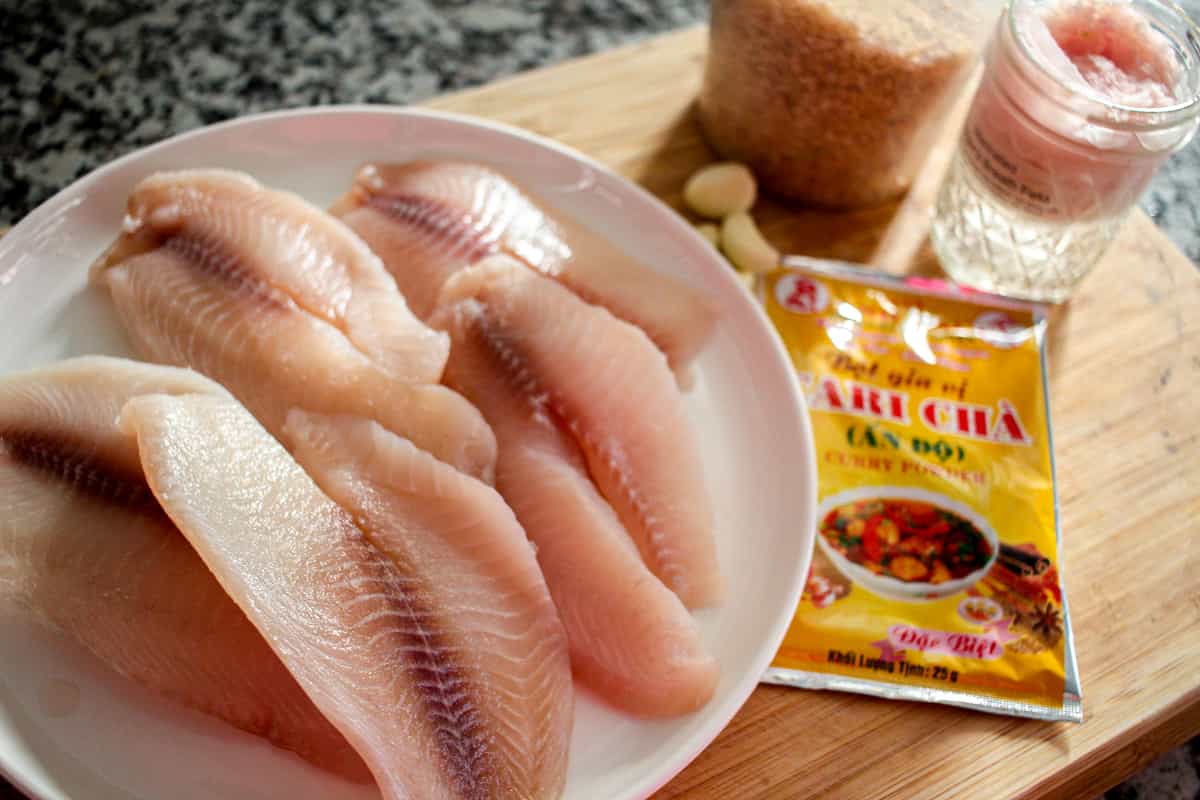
{"points": [[1008, 426], [963, 645], [860, 399], [803, 296], [974, 421], [963, 416], [833, 394], [857, 397], [929, 413], [968, 644], [873, 404], [916, 638]]}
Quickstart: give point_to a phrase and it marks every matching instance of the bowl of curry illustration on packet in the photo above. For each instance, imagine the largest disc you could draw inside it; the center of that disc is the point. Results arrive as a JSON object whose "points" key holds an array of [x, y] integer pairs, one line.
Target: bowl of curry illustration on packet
{"points": [[906, 544]]}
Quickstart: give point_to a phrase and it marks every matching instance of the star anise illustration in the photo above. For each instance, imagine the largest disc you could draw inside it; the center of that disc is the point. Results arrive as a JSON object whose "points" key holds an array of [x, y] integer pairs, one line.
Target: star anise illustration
{"points": [[1046, 621]]}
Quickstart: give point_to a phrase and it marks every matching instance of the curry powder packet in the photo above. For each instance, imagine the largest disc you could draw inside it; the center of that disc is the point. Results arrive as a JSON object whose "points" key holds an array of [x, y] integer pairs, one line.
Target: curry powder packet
{"points": [[935, 574]]}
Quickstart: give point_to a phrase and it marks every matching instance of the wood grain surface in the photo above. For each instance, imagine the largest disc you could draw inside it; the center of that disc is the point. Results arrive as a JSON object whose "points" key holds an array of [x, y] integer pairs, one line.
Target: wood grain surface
{"points": [[1125, 388]]}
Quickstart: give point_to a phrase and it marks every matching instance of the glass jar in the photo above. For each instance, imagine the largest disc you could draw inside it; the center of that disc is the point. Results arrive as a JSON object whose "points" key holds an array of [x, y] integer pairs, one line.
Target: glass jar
{"points": [[1079, 104], [835, 102]]}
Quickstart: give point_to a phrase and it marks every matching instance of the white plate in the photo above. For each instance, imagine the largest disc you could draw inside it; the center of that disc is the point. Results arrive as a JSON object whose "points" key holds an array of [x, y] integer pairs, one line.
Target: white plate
{"points": [[69, 729]]}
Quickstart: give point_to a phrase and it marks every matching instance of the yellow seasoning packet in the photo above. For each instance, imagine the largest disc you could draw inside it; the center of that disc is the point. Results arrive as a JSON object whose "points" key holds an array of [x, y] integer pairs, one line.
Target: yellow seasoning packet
{"points": [[935, 575]]}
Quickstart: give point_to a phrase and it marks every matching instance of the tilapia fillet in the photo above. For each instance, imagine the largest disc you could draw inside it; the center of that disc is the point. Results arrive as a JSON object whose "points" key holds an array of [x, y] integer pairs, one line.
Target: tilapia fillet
{"points": [[283, 306], [427, 219], [277, 244], [433, 648], [631, 639], [85, 549], [601, 380], [463, 539]]}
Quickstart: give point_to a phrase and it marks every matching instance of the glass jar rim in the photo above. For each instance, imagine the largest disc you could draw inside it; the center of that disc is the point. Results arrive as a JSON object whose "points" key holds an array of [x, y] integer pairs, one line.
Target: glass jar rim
{"points": [[1192, 103]]}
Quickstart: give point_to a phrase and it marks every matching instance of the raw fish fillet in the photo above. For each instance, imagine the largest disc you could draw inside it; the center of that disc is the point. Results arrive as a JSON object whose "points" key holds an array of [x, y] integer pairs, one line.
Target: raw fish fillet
{"points": [[211, 301], [631, 639], [480, 573], [85, 549], [602, 380], [427, 219], [272, 242], [376, 642]]}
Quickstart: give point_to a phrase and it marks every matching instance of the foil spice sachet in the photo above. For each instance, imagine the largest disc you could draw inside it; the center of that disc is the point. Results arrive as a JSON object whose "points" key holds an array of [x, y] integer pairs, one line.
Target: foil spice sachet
{"points": [[935, 575]]}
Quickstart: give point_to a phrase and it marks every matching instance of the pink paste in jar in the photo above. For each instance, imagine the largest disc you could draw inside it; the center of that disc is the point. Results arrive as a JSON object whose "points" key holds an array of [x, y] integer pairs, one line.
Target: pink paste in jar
{"points": [[1054, 129], [1112, 50]]}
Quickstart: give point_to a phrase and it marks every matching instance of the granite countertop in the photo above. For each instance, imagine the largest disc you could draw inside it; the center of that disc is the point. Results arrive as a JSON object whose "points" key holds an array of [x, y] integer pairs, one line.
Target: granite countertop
{"points": [[84, 81]]}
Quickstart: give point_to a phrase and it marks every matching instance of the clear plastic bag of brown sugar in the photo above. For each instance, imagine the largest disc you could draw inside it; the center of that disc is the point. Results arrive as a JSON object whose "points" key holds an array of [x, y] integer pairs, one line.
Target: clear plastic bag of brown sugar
{"points": [[835, 102]]}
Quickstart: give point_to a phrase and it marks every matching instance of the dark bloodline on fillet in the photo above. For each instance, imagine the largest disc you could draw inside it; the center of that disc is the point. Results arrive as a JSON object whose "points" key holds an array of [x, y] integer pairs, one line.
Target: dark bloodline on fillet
{"points": [[447, 692], [508, 358], [69, 460], [214, 258], [515, 367], [506, 355], [436, 220], [439, 221]]}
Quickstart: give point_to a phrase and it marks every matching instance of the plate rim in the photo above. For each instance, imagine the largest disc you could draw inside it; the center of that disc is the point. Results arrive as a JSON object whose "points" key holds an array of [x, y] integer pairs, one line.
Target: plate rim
{"points": [[665, 216]]}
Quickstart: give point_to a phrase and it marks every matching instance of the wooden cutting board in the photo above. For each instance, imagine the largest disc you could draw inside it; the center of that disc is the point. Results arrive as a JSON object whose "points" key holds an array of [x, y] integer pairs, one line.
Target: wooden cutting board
{"points": [[1125, 389]]}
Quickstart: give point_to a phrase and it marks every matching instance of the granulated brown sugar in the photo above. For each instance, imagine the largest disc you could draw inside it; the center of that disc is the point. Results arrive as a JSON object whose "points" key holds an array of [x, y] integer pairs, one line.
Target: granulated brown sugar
{"points": [[831, 102]]}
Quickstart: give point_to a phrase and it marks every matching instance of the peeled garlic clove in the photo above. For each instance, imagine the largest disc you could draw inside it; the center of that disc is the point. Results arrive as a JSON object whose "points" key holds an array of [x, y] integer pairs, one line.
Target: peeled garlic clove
{"points": [[745, 246], [719, 190], [710, 232]]}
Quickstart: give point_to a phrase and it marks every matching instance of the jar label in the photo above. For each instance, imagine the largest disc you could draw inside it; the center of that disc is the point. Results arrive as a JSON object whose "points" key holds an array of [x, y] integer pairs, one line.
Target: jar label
{"points": [[1009, 177]]}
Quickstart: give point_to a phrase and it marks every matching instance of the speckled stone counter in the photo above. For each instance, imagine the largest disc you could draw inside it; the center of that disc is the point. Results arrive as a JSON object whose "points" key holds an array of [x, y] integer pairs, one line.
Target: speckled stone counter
{"points": [[82, 82], [85, 81]]}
